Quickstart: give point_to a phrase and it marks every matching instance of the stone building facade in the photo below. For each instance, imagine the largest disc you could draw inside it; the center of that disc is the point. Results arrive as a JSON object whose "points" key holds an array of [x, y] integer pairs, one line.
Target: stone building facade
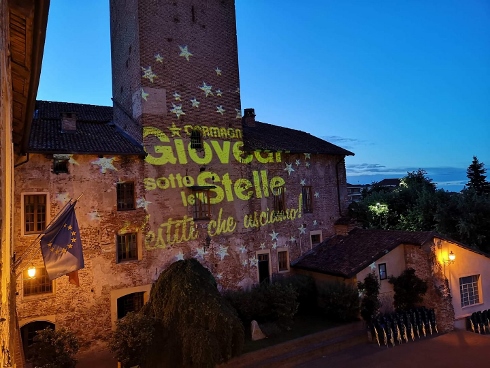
{"points": [[243, 197], [22, 32]]}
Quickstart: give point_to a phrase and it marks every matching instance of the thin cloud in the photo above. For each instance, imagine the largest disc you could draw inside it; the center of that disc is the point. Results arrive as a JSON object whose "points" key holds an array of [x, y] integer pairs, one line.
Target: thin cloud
{"points": [[344, 142]]}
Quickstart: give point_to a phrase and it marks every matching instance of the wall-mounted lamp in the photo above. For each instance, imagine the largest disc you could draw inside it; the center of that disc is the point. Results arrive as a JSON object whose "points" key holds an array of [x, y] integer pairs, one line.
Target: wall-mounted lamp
{"points": [[31, 272], [450, 258]]}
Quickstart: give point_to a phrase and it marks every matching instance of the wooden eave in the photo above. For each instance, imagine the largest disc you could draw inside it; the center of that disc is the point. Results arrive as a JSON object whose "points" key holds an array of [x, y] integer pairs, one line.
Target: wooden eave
{"points": [[27, 31]]}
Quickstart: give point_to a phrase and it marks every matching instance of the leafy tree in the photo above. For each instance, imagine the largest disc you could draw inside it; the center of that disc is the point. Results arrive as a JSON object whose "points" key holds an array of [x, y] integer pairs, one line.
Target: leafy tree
{"points": [[409, 289], [53, 349], [132, 339], [477, 178], [370, 303], [417, 205], [196, 326]]}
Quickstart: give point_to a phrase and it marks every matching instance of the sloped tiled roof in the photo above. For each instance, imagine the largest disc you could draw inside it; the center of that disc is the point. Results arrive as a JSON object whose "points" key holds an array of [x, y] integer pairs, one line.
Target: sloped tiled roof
{"points": [[95, 134], [265, 136], [346, 255]]}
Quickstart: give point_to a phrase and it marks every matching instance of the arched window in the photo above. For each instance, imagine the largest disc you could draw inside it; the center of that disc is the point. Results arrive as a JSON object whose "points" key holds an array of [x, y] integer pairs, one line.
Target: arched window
{"points": [[28, 331], [129, 303]]}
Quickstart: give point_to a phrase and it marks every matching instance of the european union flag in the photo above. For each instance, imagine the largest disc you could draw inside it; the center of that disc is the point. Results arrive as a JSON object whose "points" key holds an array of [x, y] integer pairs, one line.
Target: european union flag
{"points": [[61, 245]]}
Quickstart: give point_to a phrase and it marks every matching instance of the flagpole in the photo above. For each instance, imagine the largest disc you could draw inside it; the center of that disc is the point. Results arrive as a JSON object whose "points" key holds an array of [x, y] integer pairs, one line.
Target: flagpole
{"points": [[31, 248]]}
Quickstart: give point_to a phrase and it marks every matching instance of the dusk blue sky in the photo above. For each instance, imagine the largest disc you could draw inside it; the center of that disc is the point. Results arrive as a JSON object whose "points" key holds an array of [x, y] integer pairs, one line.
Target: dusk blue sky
{"points": [[402, 84]]}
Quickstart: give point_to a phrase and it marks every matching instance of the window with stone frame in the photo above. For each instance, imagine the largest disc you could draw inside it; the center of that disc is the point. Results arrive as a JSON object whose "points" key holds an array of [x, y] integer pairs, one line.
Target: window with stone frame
{"points": [[279, 204], [470, 290], [35, 212], [130, 303], [307, 199], [196, 139], [202, 205], [283, 260], [37, 285], [127, 247], [125, 196]]}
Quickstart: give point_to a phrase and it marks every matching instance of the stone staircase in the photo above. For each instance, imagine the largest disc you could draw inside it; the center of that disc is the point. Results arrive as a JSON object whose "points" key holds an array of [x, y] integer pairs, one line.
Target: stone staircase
{"points": [[294, 352]]}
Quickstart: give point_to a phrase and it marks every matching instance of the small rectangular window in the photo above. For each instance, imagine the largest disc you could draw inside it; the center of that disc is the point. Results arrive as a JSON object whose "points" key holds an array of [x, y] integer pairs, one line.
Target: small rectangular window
{"points": [[60, 166], [307, 199], [283, 262], [469, 289], [125, 196], [35, 213], [382, 271], [127, 247], [39, 284], [315, 237], [202, 205], [196, 139], [279, 204]]}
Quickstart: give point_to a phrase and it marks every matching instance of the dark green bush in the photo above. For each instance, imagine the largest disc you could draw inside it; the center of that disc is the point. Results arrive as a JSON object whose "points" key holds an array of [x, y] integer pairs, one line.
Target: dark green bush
{"points": [[409, 289], [282, 301], [132, 338], [307, 295], [370, 303], [53, 349], [274, 302], [338, 301]]}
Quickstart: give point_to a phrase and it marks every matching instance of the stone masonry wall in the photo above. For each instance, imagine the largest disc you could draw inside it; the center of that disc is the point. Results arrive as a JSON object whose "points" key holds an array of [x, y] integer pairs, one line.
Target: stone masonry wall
{"points": [[438, 296]]}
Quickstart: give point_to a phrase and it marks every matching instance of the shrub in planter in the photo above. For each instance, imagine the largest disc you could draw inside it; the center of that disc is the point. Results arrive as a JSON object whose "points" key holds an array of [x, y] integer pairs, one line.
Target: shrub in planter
{"points": [[338, 301], [53, 349]]}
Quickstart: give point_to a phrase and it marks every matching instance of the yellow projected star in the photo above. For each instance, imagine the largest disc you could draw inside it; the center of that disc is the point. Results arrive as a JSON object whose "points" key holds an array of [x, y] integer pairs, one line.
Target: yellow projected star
{"points": [[148, 74], [184, 52], [195, 103], [159, 58], [206, 89]]}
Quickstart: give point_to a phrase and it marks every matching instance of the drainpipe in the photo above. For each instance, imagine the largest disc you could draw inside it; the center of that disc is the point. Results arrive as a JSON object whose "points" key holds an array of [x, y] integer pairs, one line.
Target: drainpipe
{"points": [[338, 184]]}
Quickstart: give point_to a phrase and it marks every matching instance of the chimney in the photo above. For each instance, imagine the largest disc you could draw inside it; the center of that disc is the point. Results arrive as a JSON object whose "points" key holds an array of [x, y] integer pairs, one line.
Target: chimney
{"points": [[68, 122], [249, 117]]}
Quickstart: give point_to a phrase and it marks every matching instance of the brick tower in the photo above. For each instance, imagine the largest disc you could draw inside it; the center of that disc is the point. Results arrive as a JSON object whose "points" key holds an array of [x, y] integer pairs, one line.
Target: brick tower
{"points": [[174, 62]]}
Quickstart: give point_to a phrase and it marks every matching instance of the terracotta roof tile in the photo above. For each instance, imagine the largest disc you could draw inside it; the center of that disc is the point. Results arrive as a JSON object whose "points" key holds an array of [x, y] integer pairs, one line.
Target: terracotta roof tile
{"points": [[347, 255], [95, 134]]}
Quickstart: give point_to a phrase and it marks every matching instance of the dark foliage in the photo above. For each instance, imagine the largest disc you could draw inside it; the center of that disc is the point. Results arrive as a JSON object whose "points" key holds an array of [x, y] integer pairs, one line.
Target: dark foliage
{"points": [[132, 339], [196, 326], [409, 290], [274, 302], [477, 178], [53, 349], [370, 303], [338, 301], [307, 294], [416, 205]]}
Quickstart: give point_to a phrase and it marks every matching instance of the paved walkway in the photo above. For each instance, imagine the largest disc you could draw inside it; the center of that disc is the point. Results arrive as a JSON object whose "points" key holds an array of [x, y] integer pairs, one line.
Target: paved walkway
{"points": [[452, 350]]}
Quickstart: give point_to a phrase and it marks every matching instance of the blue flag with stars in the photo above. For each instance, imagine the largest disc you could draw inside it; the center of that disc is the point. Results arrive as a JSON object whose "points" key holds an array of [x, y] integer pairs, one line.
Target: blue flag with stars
{"points": [[61, 245]]}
